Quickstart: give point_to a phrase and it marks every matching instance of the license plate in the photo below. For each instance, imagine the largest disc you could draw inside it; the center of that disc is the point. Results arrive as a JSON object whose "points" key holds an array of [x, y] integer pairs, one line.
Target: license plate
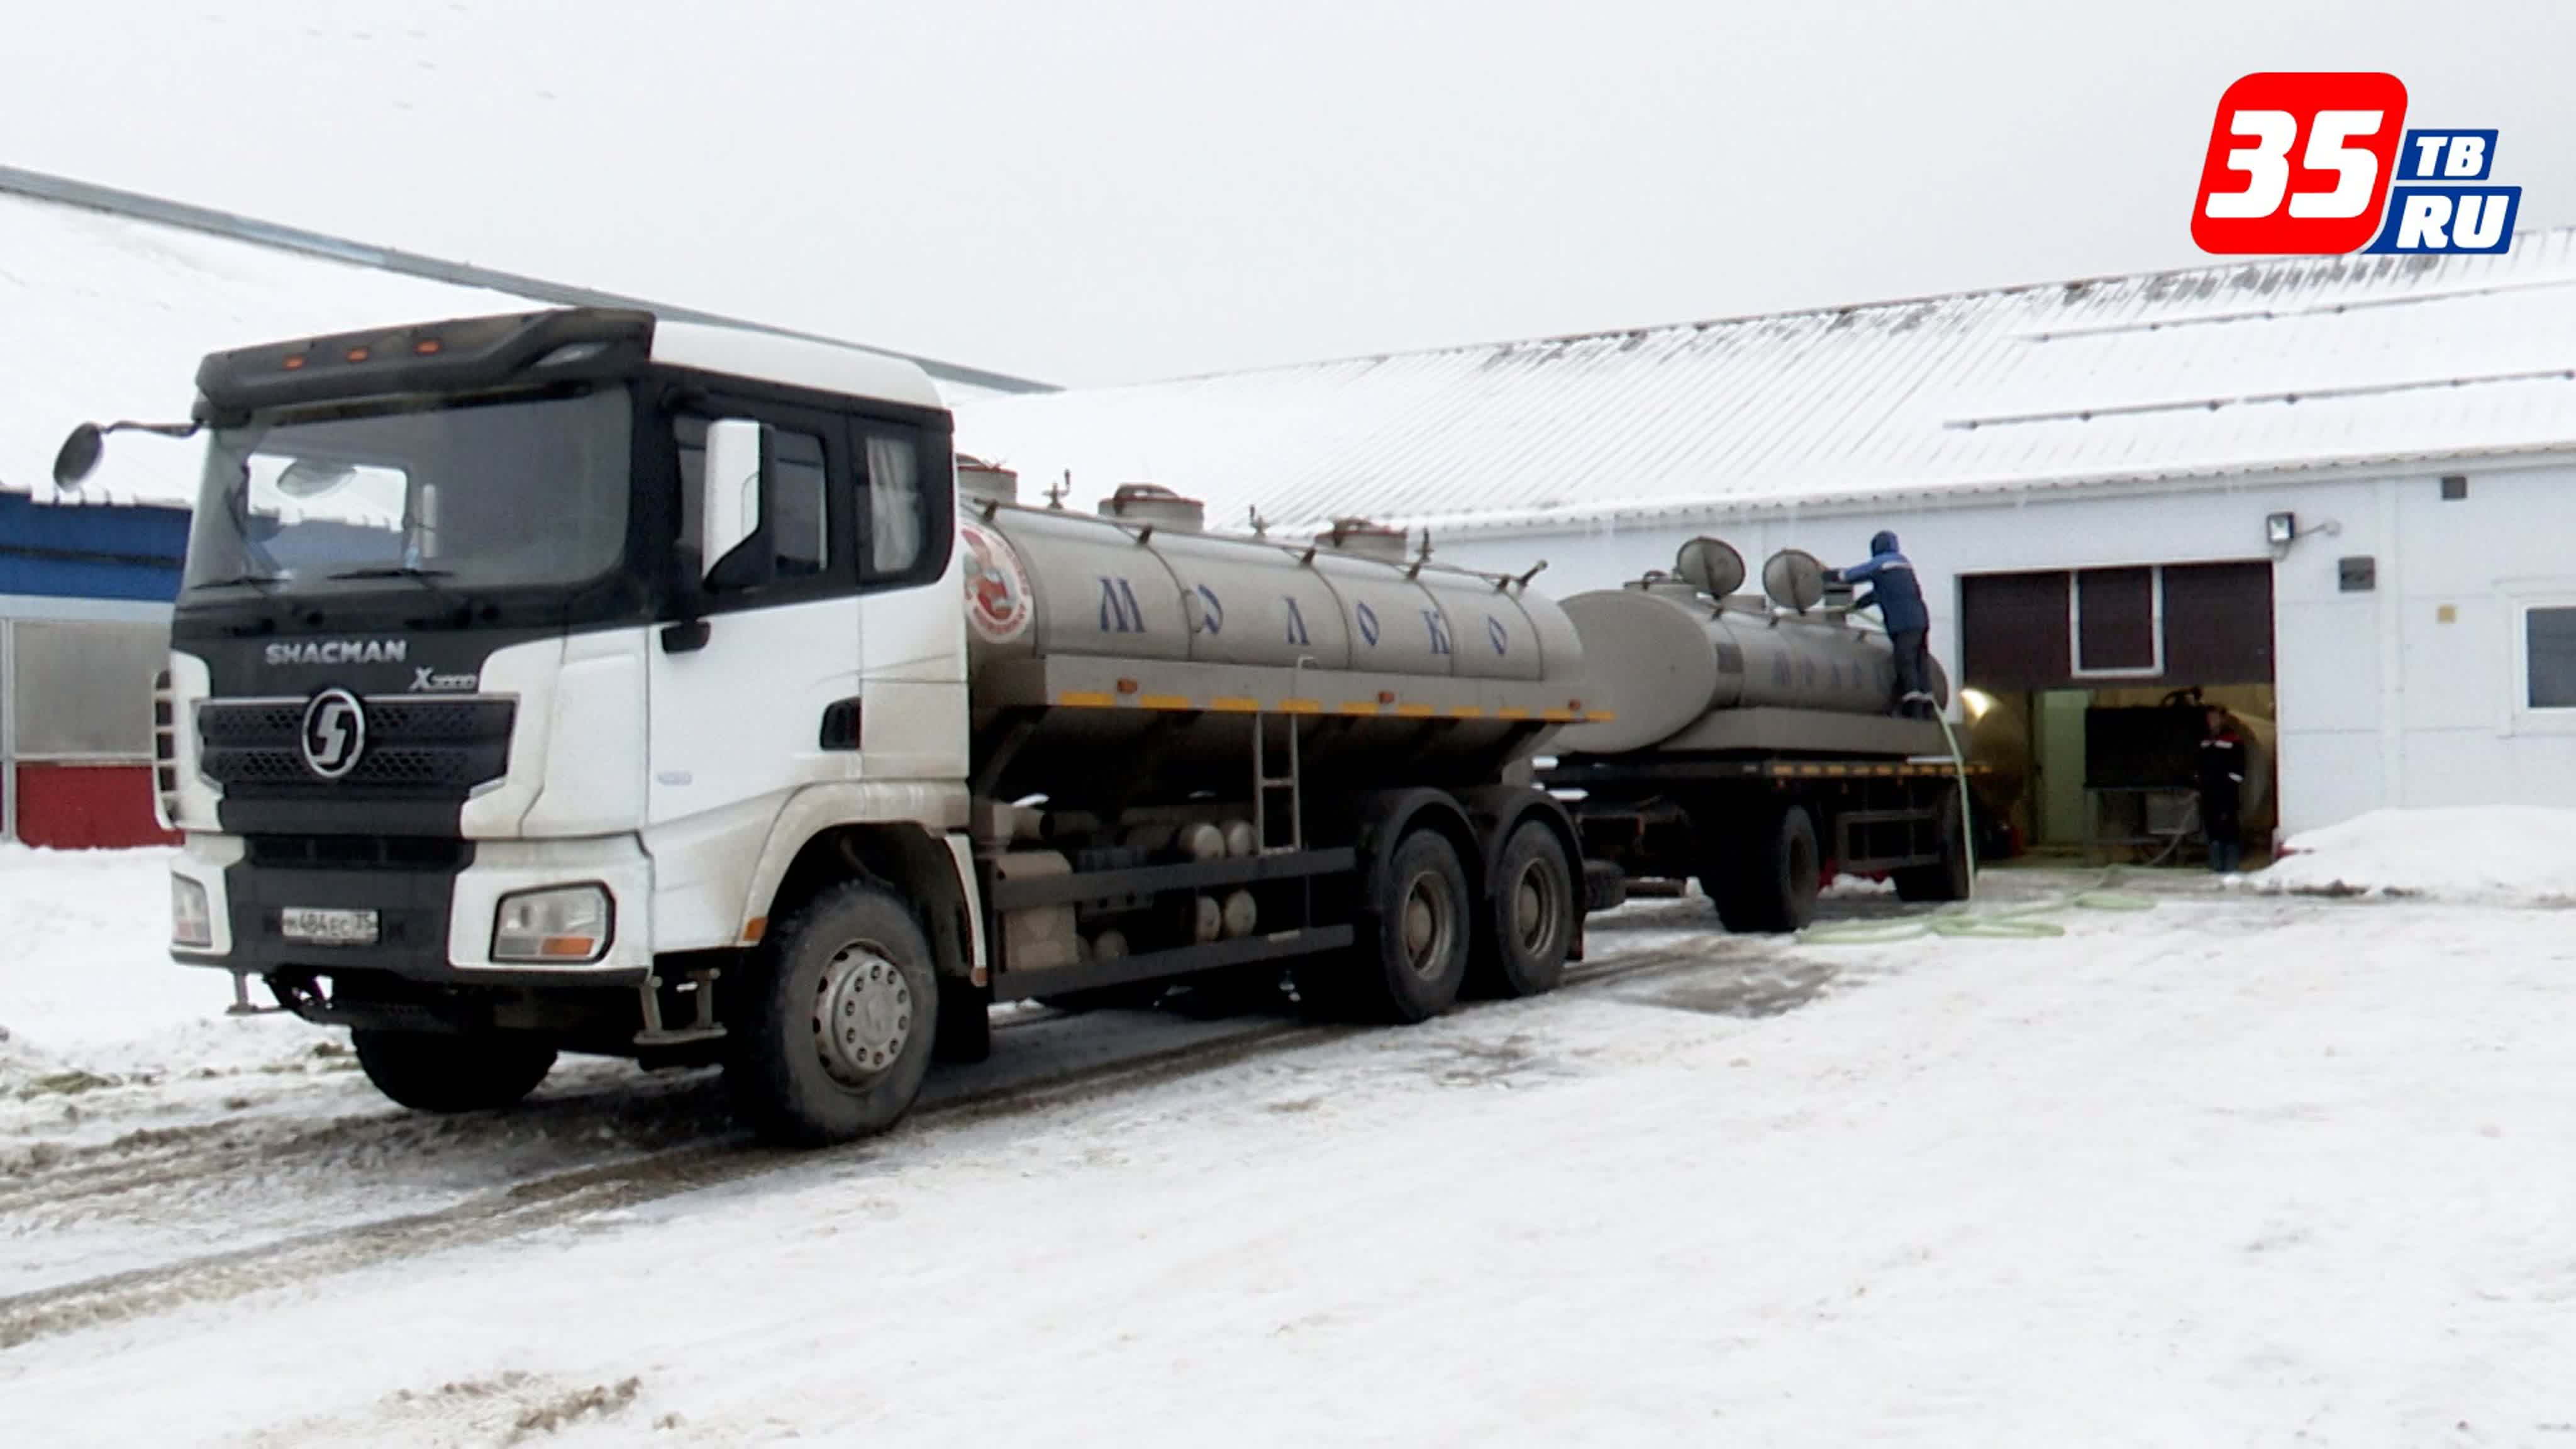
{"points": [[327, 927]]}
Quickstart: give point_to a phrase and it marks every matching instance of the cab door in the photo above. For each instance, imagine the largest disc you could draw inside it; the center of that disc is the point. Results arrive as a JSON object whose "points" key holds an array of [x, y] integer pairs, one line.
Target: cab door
{"points": [[744, 699]]}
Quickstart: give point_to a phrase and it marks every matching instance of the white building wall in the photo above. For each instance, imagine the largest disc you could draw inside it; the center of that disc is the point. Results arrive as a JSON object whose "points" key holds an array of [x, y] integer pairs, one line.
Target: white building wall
{"points": [[2381, 701]]}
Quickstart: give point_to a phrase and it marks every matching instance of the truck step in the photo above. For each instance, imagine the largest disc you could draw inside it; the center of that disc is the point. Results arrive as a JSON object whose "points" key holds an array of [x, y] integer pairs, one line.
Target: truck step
{"points": [[679, 1036]]}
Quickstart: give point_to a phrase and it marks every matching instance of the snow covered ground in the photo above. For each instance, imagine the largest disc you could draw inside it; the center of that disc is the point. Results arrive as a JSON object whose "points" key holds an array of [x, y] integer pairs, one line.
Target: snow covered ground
{"points": [[2237, 1169], [89, 1002]]}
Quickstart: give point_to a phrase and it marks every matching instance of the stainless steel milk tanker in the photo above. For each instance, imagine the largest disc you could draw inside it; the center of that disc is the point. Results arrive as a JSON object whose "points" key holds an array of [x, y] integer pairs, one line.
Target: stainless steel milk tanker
{"points": [[1137, 629], [1666, 651]]}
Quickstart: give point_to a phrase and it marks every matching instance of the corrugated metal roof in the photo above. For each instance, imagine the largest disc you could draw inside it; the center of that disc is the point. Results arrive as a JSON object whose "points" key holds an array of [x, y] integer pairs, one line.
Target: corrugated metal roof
{"points": [[2213, 371]]}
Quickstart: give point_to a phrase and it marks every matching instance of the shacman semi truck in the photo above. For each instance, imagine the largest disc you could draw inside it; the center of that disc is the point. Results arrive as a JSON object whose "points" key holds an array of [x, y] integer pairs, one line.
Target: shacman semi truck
{"points": [[579, 681]]}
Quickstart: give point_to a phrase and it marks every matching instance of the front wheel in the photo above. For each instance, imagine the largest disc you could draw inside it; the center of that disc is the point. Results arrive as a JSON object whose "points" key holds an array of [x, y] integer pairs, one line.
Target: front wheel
{"points": [[444, 1072], [837, 1023]]}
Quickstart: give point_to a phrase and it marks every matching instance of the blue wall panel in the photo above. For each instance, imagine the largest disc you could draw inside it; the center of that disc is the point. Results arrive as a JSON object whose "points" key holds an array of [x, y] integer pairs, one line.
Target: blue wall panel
{"points": [[91, 551]]}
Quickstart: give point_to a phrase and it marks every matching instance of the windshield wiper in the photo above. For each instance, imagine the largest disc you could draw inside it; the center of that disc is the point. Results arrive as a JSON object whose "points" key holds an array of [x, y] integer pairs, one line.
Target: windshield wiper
{"points": [[427, 578], [266, 582], [397, 571]]}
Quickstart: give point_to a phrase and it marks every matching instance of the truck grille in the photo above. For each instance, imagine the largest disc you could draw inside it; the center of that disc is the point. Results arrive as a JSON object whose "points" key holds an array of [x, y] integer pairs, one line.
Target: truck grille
{"points": [[354, 852], [416, 748]]}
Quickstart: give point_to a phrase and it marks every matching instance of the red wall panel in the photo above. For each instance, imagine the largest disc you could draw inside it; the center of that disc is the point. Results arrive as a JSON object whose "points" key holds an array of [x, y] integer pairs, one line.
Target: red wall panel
{"points": [[87, 807]]}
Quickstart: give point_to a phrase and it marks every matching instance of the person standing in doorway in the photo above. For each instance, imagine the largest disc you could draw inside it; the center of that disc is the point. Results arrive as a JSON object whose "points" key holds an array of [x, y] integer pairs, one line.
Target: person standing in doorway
{"points": [[1890, 576], [2222, 790]]}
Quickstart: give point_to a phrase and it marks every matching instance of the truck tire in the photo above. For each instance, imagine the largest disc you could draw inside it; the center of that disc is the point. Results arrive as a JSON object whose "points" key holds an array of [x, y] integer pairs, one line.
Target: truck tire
{"points": [[1529, 917], [1774, 889], [445, 1072], [834, 1030], [1414, 946], [1946, 879]]}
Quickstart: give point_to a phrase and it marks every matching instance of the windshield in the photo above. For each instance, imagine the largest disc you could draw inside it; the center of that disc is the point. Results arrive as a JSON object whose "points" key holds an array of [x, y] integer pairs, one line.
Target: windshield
{"points": [[475, 495]]}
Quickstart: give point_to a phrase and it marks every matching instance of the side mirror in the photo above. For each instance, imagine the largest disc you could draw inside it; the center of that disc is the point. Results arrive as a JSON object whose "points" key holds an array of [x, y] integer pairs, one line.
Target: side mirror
{"points": [[744, 566], [733, 550], [79, 457], [688, 583]]}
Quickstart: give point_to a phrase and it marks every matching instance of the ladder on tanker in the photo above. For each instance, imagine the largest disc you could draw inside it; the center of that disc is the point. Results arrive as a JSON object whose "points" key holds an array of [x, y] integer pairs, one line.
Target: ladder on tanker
{"points": [[1267, 785]]}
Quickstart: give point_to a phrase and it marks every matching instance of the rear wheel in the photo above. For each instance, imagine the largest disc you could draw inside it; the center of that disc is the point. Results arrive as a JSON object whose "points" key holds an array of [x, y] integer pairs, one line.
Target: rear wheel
{"points": [[1414, 942], [1774, 887], [836, 1025], [1529, 916], [1946, 879], [438, 1072]]}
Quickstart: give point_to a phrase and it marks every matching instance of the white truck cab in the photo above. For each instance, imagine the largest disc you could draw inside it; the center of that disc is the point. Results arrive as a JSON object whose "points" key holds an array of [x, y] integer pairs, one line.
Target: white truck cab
{"points": [[517, 658]]}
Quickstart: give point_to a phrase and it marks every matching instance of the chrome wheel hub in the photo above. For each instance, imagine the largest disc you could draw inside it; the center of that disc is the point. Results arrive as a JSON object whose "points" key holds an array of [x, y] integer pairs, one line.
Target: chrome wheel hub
{"points": [[1428, 924], [1533, 910], [862, 1014]]}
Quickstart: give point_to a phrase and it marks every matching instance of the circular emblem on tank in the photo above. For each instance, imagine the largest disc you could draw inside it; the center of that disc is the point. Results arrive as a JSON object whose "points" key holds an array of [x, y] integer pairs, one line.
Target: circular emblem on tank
{"points": [[997, 590], [335, 733]]}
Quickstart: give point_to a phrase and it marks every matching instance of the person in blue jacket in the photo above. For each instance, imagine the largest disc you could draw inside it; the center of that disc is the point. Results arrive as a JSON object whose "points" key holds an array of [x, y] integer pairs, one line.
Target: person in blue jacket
{"points": [[1890, 576]]}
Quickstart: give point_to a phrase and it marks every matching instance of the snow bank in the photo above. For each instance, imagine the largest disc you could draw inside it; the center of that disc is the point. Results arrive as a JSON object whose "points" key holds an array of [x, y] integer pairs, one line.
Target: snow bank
{"points": [[2506, 854], [86, 979]]}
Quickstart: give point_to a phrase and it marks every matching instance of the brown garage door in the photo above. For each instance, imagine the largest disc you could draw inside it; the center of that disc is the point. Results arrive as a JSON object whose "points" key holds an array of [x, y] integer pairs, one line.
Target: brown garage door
{"points": [[2164, 625]]}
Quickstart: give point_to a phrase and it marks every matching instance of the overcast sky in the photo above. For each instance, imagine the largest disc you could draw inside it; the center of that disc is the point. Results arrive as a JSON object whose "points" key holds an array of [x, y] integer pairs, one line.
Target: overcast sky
{"points": [[1127, 189]]}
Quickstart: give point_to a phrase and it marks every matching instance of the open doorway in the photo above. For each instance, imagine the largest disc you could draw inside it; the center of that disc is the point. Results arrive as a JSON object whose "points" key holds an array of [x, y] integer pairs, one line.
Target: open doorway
{"points": [[2085, 690]]}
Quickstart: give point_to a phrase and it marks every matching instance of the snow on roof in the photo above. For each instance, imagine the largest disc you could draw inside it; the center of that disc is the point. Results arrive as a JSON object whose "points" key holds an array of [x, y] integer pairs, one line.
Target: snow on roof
{"points": [[2213, 371], [105, 317]]}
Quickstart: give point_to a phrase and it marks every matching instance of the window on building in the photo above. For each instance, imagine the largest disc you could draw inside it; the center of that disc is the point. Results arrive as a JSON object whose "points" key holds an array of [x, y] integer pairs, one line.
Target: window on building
{"points": [[2118, 622], [2549, 656]]}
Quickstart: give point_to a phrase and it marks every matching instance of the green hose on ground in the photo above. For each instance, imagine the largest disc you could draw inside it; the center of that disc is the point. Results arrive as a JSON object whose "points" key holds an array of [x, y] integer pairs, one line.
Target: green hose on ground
{"points": [[2019, 923], [2022, 923]]}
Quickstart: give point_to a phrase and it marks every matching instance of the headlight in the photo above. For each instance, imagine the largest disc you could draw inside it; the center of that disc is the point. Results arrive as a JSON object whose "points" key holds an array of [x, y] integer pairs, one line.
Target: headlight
{"points": [[192, 917], [558, 925]]}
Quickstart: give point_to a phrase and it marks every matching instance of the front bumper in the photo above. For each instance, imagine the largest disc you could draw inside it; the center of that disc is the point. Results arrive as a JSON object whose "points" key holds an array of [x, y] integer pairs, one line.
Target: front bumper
{"points": [[435, 908]]}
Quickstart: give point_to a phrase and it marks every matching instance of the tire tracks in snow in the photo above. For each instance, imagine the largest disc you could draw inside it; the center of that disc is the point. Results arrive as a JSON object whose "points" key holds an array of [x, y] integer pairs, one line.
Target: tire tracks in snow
{"points": [[535, 1203]]}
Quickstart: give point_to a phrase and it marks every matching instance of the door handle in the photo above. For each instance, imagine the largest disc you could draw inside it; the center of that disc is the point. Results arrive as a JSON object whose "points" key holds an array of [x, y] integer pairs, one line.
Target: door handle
{"points": [[685, 638]]}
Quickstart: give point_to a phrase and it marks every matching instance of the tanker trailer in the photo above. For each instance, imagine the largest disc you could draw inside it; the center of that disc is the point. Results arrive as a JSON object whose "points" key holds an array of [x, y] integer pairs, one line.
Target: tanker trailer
{"points": [[1750, 743], [1193, 752]]}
